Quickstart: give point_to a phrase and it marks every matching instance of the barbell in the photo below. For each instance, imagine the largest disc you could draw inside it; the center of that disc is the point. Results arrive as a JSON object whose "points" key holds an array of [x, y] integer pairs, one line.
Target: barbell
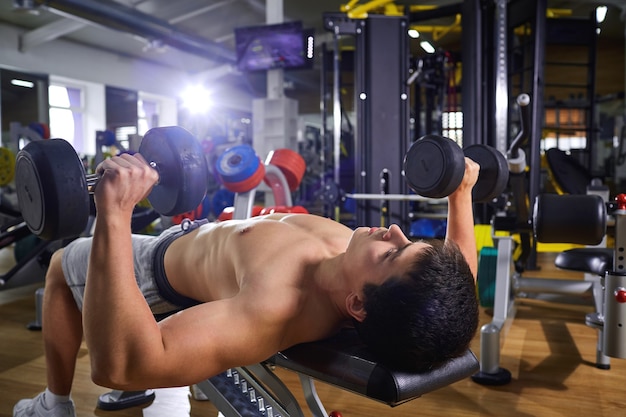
{"points": [[434, 167], [53, 188]]}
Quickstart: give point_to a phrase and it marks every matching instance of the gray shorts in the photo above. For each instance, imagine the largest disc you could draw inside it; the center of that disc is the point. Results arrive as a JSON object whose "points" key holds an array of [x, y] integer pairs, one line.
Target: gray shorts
{"points": [[76, 257]]}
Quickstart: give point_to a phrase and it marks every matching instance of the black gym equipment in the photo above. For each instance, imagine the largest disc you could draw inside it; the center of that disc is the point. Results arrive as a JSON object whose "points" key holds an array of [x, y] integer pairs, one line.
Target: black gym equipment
{"points": [[609, 287], [579, 219], [434, 167], [569, 175], [342, 361], [53, 189], [32, 255], [381, 105]]}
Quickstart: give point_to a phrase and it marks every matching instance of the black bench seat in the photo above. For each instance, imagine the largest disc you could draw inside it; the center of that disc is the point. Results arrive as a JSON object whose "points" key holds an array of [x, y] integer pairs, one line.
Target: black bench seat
{"points": [[345, 362], [593, 260]]}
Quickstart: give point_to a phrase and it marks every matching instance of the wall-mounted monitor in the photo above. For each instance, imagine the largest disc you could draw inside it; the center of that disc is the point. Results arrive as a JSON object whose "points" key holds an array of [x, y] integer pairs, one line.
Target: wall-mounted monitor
{"points": [[284, 45]]}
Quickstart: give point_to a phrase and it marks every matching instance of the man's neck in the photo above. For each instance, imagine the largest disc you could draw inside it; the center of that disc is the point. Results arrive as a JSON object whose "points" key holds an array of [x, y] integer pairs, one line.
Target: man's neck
{"points": [[330, 280]]}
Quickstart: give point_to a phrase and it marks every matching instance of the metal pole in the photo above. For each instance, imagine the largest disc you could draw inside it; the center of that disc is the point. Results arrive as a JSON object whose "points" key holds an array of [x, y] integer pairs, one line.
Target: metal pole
{"points": [[501, 76], [336, 114]]}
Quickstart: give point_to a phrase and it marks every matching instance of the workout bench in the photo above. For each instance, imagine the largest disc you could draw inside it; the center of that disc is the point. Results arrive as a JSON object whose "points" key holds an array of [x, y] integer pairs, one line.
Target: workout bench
{"points": [[342, 361]]}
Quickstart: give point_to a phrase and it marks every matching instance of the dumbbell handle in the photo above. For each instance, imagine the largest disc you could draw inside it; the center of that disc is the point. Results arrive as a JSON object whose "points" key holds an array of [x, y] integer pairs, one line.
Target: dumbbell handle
{"points": [[92, 179]]}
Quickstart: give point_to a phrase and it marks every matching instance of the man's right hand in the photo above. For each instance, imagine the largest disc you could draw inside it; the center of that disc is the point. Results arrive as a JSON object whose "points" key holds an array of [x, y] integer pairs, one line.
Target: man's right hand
{"points": [[124, 181], [470, 177]]}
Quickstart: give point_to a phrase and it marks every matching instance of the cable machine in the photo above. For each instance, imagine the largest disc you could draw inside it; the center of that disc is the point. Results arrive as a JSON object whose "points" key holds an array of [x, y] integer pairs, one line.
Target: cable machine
{"points": [[381, 104]]}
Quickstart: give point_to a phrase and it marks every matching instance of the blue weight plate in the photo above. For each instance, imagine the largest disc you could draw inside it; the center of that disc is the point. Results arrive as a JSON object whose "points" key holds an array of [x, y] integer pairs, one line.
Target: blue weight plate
{"points": [[182, 167], [237, 164]]}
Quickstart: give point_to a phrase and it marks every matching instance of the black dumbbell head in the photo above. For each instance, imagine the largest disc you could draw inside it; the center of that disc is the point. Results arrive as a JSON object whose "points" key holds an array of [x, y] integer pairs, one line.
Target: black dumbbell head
{"points": [[178, 157], [494, 172], [434, 166], [52, 189]]}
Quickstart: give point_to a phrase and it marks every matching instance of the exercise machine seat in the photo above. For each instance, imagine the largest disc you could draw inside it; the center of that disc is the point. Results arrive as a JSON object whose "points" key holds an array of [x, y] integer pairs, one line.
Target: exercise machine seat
{"points": [[593, 260], [568, 173], [345, 361]]}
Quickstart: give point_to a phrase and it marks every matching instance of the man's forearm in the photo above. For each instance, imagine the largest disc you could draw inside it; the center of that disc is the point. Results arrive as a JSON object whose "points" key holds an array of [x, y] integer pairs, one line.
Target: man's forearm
{"points": [[460, 228], [117, 321]]}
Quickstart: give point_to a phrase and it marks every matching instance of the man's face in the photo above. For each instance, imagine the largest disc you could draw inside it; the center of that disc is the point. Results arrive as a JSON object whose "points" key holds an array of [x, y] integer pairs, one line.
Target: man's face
{"points": [[375, 254]]}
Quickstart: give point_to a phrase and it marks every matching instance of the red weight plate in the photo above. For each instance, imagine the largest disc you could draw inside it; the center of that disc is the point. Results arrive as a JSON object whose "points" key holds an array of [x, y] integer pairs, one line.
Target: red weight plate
{"points": [[248, 184], [291, 164]]}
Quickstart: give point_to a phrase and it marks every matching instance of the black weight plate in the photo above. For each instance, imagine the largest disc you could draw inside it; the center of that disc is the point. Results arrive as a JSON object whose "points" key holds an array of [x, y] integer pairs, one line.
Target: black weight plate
{"points": [[434, 166], [182, 169], [52, 189], [494, 172]]}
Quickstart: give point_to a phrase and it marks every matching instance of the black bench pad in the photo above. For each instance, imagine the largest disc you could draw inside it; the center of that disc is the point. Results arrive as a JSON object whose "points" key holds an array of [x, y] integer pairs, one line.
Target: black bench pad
{"points": [[344, 361], [593, 260]]}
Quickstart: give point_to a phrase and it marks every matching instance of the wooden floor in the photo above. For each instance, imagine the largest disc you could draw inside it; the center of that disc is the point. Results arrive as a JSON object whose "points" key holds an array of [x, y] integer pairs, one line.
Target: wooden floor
{"points": [[548, 349]]}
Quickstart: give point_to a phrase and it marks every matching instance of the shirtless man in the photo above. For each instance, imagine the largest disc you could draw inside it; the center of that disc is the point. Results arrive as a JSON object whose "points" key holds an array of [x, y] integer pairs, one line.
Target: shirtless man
{"points": [[245, 290]]}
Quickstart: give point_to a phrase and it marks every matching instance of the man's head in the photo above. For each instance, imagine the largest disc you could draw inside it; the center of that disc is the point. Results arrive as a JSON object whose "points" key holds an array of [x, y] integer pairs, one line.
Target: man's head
{"points": [[423, 315]]}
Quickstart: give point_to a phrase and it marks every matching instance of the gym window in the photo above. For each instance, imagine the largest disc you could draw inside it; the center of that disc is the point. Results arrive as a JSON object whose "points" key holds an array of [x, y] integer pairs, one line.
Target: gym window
{"points": [[452, 125], [565, 128], [147, 115], [66, 114]]}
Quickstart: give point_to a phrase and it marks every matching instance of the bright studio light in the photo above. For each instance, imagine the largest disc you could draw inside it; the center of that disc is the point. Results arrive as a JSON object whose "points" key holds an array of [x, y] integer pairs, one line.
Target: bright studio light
{"points": [[197, 99], [601, 13], [427, 47], [22, 83], [414, 34]]}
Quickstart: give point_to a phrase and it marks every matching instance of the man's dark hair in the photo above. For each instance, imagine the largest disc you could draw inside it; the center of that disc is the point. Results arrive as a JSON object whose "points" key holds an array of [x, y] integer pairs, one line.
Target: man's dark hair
{"points": [[429, 315]]}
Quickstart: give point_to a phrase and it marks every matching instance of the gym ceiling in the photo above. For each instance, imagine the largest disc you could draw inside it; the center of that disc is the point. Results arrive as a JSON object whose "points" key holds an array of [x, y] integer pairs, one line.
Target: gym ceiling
{"points": [[102, 24]]}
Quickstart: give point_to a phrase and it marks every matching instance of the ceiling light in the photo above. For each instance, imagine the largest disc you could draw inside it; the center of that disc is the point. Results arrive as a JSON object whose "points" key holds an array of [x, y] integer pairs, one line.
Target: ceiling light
{"points": [[601, 13], [22, 83], [310, 41], [427, 47], [413, 33]]}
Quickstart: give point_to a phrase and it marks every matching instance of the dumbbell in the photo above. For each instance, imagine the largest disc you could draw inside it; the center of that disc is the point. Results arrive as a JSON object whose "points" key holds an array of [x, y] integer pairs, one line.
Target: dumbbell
{"points": [[434, 167], [53, 188]]}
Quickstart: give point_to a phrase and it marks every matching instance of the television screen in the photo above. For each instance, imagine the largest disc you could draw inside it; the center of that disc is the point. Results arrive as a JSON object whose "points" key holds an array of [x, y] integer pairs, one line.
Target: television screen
{"points": [[267, 47]]}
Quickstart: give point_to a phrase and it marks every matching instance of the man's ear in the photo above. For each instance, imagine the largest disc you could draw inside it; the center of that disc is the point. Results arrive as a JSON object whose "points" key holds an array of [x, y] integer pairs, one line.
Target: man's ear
{"points": [[355, 306]]}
